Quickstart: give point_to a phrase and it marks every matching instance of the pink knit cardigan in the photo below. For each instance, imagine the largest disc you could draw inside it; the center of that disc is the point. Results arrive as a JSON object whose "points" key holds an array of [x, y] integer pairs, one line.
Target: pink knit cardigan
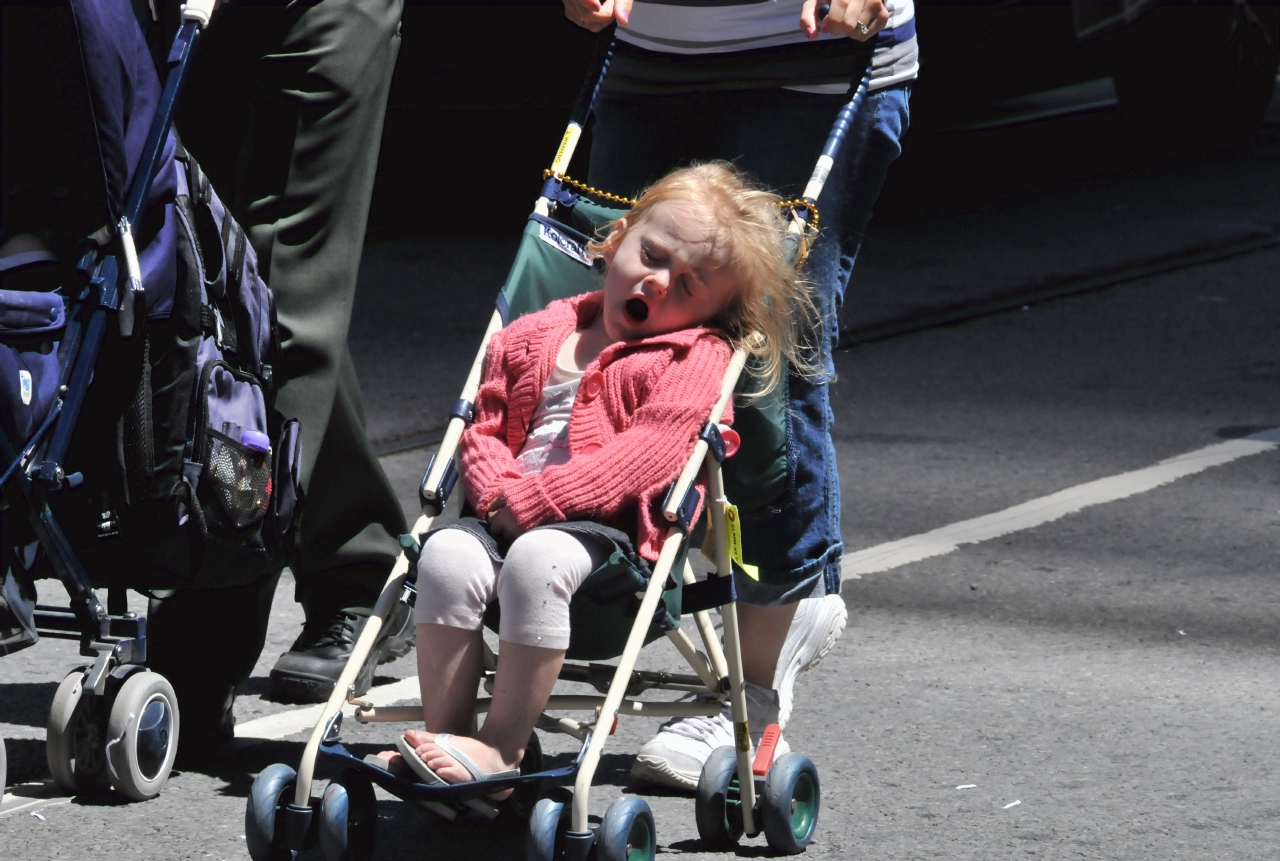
{"points": [[637, 415]]}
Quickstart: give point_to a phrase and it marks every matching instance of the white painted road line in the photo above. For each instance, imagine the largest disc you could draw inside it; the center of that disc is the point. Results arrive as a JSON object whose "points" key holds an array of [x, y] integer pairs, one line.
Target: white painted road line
{"points": [[882, 557], [947, 539], [31, 797], [303, 720]]}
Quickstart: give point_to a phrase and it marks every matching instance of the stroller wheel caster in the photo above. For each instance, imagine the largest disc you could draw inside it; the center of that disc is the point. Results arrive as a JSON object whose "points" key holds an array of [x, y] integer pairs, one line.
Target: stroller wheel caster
{"points": [[716, 807], [348, 819], [627, 832], [547, 824], [73, 746], [790, 804], [142, 735], [264, 827]]}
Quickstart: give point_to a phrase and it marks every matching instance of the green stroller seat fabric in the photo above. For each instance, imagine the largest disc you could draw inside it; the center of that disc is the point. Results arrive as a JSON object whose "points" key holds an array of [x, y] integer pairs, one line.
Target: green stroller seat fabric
{"points": [[553, 262]]}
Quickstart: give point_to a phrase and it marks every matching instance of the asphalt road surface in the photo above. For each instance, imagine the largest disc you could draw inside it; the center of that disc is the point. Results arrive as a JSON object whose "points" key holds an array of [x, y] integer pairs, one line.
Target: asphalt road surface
{"points": [[1056, 608]]}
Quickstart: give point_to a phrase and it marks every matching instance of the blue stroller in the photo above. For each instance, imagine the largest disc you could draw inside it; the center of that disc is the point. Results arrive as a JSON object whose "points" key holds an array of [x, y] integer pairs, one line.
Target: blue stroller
{"points": [[138, 444], [615, 613]]}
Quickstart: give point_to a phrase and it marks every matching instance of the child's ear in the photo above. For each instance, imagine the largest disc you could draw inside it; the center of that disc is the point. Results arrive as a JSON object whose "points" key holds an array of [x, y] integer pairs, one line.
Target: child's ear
{"points": [[613, 240]]}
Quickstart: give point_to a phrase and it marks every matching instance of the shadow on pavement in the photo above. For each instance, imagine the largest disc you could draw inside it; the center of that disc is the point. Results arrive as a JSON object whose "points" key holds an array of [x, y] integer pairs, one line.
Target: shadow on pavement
{"points": [[27, 703]]}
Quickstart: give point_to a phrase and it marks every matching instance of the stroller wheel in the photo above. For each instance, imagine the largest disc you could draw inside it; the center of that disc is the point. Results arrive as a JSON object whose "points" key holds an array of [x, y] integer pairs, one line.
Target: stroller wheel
{"points": [[348, 818], [264, 829], [790, 804], [142, 736], [627, 832], [716, 808], [74, 747], [546, 827]]}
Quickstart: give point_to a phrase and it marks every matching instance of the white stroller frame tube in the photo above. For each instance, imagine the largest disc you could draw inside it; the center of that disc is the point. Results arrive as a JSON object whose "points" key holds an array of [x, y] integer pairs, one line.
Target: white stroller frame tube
{"points": [[453, 433], [691, 467], [652, 594], [564, 155], [364, 643], [733, 654], [618, 689]]}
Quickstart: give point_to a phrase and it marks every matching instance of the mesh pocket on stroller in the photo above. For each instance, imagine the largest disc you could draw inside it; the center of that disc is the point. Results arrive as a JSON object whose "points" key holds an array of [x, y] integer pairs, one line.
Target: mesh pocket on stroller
{"points": [[238, 479]]}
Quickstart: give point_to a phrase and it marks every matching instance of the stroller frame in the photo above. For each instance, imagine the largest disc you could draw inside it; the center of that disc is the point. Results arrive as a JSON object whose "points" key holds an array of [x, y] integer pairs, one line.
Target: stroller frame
{"points": [[114, 637], [282, 816]]}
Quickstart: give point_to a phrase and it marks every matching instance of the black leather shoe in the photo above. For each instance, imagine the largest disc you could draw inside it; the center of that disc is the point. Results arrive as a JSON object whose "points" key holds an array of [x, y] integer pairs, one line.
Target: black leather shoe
{"points": [[308, 671]]}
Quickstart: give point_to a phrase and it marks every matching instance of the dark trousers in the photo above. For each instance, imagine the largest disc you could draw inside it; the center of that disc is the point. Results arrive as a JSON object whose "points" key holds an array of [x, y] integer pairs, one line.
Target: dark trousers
{"points": [[284, 108]]}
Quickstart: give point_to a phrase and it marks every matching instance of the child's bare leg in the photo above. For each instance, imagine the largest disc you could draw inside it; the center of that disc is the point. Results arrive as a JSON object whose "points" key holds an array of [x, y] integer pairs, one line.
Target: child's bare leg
{"points": [[525, 677], [542, 571], [762, 632], [449, 663]]}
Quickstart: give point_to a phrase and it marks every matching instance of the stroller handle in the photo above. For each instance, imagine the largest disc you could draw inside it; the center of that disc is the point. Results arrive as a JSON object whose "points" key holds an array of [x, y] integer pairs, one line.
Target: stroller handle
{"points": [[199, 11], [582, 107], [840, 128], [595, 77]]}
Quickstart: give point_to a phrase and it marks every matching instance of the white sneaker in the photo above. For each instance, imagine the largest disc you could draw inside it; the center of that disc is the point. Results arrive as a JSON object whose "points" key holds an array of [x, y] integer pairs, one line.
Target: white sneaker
{"points": [[817, 625], [674, 757]]}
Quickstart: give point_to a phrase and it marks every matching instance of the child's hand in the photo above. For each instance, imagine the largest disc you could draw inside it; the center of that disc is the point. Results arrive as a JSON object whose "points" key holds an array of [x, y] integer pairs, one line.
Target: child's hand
{"points": [[857, 19], [503, 525]]}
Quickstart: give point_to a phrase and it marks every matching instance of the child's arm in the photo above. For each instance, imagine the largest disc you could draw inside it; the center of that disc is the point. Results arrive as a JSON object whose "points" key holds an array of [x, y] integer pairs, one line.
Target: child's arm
{"points": [[485, 455], [637, 463]]}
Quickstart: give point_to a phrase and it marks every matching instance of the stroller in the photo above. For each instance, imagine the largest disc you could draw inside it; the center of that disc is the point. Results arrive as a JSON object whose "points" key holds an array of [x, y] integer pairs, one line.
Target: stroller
{"points": [[138, 444], [615, 613]]}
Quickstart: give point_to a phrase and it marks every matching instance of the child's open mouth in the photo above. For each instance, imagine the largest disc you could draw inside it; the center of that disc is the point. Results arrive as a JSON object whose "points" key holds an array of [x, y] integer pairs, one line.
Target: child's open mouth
{"points": [[637, 309]]}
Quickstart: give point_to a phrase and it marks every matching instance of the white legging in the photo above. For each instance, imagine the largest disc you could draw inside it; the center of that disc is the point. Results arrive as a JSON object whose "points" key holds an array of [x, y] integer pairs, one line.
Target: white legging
{"points": [[457, 579]]}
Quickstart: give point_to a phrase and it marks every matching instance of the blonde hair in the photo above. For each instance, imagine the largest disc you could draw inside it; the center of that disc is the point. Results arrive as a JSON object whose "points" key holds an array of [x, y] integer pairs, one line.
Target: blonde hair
{"points": [[771, 315]]}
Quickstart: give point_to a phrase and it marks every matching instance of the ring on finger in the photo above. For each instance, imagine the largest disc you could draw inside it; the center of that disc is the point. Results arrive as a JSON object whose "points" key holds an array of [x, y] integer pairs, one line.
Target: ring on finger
{"points": [[863, 28]]}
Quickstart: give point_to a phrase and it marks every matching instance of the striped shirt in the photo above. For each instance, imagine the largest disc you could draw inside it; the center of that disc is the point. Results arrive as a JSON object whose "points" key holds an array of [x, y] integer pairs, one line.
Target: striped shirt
{"points": [[688, 45]]}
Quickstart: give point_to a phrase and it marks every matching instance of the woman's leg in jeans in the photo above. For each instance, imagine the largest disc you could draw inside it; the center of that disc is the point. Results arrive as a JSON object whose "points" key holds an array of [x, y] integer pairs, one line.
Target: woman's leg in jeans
{"points": [[542, 571], [796, 542]]}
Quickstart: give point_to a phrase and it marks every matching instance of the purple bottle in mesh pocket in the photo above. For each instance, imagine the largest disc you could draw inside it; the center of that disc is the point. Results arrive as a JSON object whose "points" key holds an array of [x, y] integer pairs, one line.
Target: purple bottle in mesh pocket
{"points": [[255, 441]]}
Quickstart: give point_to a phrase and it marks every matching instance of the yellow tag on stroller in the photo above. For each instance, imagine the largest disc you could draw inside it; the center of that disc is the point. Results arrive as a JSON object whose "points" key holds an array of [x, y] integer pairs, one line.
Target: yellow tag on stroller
{"points": [[733, 525]]}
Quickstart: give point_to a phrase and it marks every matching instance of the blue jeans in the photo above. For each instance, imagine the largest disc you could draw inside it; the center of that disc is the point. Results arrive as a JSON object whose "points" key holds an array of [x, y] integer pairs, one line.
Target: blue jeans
{"points": [[776, 135]]}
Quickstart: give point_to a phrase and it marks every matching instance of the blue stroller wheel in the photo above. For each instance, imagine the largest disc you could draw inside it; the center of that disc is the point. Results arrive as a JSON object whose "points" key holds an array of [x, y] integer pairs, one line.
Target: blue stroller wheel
{"points": [[716, 808], [546, 825], [264, 829], [348, 818], [627, 832], [791, 802]]}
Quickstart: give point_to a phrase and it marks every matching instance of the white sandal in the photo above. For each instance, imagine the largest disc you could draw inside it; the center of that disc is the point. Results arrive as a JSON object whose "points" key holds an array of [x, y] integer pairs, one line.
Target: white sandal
{"points": [[425, 772]]}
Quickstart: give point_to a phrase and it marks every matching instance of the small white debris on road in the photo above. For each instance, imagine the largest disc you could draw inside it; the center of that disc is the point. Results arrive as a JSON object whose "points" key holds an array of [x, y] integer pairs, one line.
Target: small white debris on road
{"points": [[1012, 804], [967, 786]]}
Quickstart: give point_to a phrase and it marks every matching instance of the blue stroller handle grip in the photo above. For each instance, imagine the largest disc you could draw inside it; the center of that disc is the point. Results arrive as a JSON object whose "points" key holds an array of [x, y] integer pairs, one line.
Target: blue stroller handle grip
{"points": [[595, 76], [839, 130], [179, 63]]}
